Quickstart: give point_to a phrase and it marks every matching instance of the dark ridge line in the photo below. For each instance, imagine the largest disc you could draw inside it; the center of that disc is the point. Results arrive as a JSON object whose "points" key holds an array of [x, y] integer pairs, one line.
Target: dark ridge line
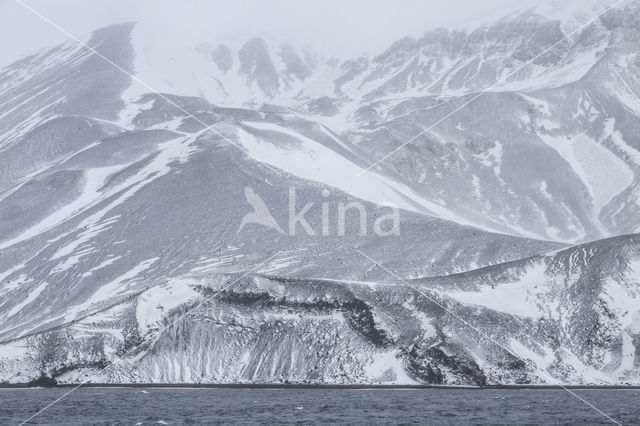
{"points": [[425, 280]]}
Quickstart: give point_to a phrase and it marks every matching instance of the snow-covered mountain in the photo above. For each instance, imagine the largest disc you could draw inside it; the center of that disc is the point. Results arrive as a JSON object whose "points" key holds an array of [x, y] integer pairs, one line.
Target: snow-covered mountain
{"points": [[125, 175], [567, 104]]}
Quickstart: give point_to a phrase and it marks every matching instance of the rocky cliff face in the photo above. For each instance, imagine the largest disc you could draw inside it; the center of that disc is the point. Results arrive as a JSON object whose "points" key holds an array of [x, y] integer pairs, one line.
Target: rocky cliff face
{"points": [[122, 211], [568, 317]]}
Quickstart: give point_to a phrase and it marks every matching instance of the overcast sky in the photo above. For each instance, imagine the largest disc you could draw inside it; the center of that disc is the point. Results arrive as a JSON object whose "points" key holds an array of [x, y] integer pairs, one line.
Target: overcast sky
{"points": [[334, 27]]}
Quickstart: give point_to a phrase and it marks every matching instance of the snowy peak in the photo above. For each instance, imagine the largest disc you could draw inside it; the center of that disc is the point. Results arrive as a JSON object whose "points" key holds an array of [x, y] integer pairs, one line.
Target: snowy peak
{"points": [[233, 73], [297, 65], [573, 14], [526, 50], [222, 57]]}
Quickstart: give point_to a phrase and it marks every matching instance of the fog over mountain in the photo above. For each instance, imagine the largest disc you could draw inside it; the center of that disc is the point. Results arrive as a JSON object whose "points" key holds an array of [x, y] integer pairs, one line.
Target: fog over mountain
{"points": [[150, 181]]}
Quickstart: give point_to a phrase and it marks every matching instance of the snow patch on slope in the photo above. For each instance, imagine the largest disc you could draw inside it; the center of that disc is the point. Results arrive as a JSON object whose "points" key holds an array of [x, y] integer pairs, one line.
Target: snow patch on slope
{"points": [[156, 302], [95, 180], [387, 367], [602, 172], [517, 298], [33, 295], [115, 287], [616, 138], [313, 161]]}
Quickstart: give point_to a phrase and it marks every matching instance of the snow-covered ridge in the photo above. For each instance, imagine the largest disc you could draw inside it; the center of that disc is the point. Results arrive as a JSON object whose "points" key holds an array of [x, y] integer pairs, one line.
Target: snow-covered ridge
{"points": [[252, 71]]}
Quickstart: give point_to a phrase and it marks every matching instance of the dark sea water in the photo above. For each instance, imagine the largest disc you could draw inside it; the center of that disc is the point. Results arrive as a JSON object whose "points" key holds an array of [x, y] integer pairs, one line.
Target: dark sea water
{"points": [[131, 406]]}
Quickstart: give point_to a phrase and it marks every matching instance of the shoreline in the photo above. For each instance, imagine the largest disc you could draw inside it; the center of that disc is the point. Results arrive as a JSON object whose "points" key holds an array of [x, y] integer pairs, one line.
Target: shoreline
{"points": [[319, 386]]}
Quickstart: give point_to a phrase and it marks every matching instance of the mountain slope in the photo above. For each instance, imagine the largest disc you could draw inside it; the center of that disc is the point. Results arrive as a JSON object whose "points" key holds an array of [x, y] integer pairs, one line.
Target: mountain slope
{"points": [[564, 154], [121, 209]]}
